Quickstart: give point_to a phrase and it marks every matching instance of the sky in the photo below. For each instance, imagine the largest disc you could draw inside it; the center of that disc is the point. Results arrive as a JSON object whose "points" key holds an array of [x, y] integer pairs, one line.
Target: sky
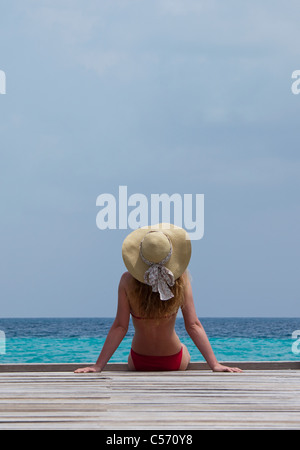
{"points": [[168, 96]]}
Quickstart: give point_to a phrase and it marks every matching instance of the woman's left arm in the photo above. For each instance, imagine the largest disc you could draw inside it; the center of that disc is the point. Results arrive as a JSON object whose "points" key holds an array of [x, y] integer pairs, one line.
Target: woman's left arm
{"points": [[117, 332]]}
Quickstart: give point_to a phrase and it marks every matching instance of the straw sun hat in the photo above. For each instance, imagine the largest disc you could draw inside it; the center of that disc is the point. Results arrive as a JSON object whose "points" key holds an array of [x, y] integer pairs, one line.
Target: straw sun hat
{"points": [[157, 255]]}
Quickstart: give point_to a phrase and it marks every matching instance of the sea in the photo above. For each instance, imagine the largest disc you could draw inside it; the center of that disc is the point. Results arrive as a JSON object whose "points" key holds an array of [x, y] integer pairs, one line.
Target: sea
{"points": [[79, 340]]}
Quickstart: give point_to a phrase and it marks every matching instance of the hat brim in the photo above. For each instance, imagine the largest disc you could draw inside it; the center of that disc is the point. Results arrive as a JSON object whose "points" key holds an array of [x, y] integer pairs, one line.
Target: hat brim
{"points": [[181, 250]]}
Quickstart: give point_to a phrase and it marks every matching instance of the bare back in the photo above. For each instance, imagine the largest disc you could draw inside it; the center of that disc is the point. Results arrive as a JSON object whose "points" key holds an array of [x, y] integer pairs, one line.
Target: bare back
{"points": [[153, 336]]}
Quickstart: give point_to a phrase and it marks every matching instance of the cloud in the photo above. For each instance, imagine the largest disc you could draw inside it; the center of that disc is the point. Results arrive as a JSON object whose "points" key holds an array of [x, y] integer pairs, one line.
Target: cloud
{"points": [[260, 171], [123, 35], [68, 25], [182, 7], [100, 61]]}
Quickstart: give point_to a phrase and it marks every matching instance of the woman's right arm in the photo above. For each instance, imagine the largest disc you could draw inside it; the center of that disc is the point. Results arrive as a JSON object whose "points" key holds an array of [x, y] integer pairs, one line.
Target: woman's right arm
{"points": [[198, 334]]}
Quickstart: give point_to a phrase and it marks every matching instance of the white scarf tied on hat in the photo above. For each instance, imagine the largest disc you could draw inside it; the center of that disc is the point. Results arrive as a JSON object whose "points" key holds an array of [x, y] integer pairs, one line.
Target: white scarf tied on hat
{"points": [[158, 276]]}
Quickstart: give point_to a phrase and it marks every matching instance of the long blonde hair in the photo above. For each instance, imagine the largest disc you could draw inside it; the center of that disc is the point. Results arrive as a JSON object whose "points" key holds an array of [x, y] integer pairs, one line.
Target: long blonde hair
{"points": [[147, 304]]}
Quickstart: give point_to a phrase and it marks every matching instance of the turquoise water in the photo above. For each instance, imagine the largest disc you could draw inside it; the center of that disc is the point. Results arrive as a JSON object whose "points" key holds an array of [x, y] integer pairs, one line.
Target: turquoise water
{"points": [[86, 350], [66, 341]]}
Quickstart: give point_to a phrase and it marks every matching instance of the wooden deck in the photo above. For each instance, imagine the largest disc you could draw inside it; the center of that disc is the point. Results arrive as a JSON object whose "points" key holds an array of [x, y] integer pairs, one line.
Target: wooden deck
{"points": [[122, 400]]}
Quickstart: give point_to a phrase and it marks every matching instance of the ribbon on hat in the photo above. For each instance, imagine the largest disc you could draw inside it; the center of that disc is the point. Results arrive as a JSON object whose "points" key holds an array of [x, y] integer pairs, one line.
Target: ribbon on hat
{"points": [[158, 276]]}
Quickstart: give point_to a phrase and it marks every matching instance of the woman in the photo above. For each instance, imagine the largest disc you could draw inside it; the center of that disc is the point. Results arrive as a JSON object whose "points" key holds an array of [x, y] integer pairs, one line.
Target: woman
{"points": [[152, 291]]}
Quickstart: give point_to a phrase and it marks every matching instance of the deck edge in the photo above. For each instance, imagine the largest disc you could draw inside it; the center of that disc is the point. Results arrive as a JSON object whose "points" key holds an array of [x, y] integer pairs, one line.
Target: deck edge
{"points": [[70, 367]]}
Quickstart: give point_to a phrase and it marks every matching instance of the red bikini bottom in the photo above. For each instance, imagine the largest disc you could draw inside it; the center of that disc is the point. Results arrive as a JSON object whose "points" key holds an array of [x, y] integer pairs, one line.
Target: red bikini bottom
{"points": [[155, 363]]}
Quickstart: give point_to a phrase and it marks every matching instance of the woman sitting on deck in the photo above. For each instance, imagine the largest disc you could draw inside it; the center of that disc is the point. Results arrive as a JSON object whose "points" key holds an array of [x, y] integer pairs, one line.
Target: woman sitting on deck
{"points": [[152, 291]]}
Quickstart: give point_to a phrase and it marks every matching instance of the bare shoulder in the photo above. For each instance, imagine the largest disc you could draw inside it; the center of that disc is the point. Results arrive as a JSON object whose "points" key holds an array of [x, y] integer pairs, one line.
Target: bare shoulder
{"points": [[187, 281], [125, 280]]}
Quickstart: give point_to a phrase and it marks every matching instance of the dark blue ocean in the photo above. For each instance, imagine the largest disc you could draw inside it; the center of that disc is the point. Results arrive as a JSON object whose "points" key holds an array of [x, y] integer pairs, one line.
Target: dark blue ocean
{"points": [[79, 340]]}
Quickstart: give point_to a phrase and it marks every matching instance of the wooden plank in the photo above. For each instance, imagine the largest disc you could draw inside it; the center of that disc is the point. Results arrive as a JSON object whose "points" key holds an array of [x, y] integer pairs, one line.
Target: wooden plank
{"points": [[112, 400]]}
